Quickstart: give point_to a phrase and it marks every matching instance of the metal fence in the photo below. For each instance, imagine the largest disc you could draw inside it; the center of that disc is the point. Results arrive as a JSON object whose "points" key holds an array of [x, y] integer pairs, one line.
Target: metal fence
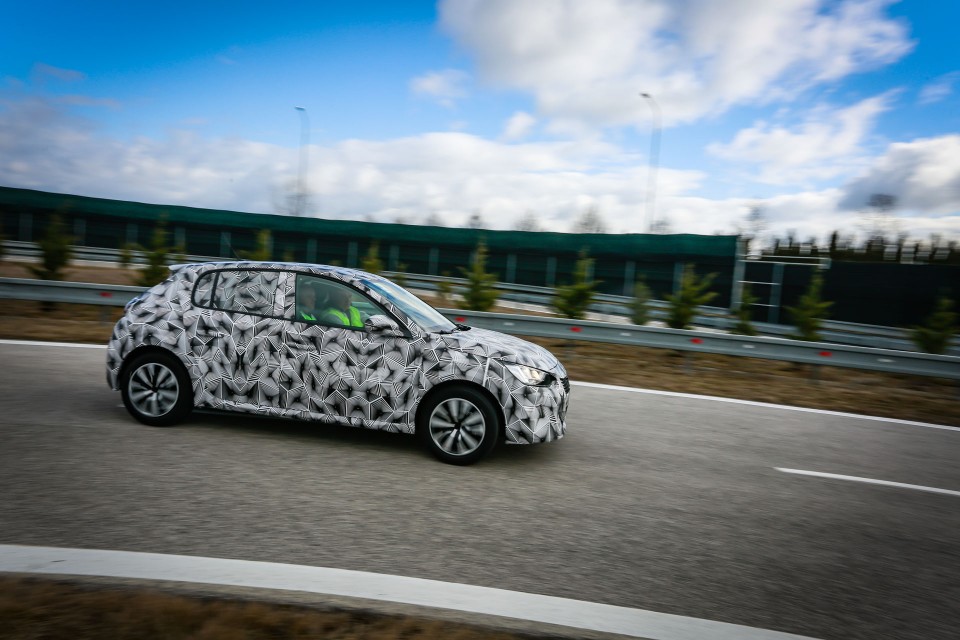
{"points": [[817, 353]]}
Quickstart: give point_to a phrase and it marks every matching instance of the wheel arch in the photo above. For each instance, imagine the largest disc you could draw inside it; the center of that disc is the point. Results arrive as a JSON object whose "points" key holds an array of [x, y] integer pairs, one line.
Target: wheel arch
{"points": [[151, 348], [446, 384]]}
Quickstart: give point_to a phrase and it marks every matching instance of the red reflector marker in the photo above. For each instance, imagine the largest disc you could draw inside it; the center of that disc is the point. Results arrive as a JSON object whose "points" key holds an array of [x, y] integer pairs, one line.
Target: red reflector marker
{"points": [[825, 354], [460, 319], [106, 294], [696, 340], [576, 329]]}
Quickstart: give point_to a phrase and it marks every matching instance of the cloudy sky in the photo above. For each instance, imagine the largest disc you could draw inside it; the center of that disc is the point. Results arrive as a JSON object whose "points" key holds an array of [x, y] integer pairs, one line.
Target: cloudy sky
{"points": [[510, 109]]}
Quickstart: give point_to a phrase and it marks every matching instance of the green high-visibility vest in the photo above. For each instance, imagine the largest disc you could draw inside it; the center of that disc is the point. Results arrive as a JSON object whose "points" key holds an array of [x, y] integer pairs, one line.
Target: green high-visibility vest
{"points": [[353, 321]]}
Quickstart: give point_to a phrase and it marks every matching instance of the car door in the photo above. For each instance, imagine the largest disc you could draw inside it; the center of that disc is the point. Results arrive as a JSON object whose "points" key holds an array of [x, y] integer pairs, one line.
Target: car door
{"points": [[332, 371], [236, 339]]}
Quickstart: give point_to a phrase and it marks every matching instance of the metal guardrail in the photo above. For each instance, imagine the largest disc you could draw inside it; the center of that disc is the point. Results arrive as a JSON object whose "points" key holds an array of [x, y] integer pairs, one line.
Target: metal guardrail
{"points": [[819, 353], [834, 332]]}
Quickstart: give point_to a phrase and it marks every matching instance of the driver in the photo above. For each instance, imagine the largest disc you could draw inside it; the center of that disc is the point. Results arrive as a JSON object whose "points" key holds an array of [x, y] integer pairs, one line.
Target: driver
{"points": [[340, 311]]}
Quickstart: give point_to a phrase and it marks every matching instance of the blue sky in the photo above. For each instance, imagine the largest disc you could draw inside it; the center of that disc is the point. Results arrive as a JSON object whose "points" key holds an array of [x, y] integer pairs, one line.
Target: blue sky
{"points": [[513, 109]]}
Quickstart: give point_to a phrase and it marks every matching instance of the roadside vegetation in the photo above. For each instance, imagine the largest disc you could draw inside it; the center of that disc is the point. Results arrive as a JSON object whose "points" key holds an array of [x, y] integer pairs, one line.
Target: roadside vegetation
{"points": [[572, 300], [34, 608], [479, 294], [810, 311], [694, 292], [935, 334]]}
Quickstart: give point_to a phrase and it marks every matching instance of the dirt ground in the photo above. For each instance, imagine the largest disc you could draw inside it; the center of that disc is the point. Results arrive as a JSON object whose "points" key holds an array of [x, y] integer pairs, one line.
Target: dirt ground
{"points": [[42, 608], [896, 396]]}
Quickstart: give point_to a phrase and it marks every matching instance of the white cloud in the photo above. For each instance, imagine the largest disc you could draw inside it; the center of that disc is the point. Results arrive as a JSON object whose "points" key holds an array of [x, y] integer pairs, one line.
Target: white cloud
{"points": [[447, 174], [518, 126], [939, 89], [924, 176], [588, 61], [42, 70], [827, 144], [445, 86]]}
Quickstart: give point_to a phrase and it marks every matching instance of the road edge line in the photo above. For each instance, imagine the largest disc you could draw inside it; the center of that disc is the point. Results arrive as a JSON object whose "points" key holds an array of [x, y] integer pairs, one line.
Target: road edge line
{"points": [[578, 614]]}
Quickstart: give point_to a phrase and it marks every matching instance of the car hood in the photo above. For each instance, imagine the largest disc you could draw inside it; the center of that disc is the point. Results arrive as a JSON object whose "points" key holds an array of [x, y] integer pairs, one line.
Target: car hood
{"points": [[507, 348]]}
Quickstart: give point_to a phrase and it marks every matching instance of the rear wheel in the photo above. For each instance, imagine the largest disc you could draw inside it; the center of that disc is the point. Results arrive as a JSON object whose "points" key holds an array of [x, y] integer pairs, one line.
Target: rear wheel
{"points": [[156, 389], [459, 425]]}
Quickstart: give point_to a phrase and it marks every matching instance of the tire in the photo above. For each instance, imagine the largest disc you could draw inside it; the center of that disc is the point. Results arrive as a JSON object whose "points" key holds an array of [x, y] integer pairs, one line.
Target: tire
{"points": [[459, 425], [156, 389]]}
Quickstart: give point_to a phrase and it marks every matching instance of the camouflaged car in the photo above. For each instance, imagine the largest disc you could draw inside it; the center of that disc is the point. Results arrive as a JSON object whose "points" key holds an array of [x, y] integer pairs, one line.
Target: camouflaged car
{"points": [[333, 345]]}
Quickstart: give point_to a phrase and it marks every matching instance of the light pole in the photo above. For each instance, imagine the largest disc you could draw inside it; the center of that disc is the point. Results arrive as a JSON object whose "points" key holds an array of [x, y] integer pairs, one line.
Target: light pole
{"points": [[652, 162], [301, 171]]}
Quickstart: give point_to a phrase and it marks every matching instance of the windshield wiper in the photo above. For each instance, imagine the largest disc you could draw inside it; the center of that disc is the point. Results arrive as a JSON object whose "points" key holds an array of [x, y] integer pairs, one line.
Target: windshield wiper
{"points": [[462, 327]]}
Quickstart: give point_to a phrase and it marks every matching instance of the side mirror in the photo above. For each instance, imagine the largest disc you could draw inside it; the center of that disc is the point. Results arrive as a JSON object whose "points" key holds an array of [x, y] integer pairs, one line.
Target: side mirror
{"points": [[382, 325]]}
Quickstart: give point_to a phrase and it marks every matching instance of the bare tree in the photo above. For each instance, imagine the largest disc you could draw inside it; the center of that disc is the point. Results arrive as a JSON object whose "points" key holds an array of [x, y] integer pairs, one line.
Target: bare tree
{"points": [[528, 222], [878, 220], [433, 220], [475, 221], [590, 221]]}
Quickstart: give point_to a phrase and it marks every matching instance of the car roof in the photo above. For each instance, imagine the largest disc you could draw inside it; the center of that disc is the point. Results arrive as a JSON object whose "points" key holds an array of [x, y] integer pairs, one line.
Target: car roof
{"points": [[301, 267]]}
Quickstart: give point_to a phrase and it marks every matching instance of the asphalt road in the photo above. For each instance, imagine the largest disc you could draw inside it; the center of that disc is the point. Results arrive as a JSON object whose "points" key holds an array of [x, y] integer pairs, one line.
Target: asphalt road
{"points": [[655, 502]]}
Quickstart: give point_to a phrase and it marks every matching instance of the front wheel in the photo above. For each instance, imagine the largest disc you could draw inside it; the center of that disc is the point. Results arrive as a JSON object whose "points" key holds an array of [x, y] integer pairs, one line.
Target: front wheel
{"points": [[458, 425], [156, 389]]}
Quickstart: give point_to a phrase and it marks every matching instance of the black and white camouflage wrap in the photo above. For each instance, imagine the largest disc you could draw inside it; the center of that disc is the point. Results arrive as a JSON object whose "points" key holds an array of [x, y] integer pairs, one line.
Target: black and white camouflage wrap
{"points": [[273, 365]]}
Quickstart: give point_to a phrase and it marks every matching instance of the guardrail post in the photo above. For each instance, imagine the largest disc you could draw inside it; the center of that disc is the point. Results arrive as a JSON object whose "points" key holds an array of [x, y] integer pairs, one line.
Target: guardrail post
{"points": [[551, 271]]}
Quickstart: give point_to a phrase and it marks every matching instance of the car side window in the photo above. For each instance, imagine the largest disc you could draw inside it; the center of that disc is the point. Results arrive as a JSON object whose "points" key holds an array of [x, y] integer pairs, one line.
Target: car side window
{"points": [[246, 291], [332, 303]]}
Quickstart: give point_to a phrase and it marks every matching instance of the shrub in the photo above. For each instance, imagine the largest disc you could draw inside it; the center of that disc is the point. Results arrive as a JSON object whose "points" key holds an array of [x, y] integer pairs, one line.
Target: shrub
{"points": [[572, 300], [692, 294], [936, 332], [158, 256], [744, 313], [445, 290], [807, 316], [480, 294], [371, 262], [640, 305], [263, 249], [55, 249]]}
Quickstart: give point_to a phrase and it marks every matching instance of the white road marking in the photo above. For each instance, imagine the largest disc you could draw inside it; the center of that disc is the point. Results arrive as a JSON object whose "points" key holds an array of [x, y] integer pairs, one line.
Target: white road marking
{"points": [[886, 483], [769, 405], [375, 586]]}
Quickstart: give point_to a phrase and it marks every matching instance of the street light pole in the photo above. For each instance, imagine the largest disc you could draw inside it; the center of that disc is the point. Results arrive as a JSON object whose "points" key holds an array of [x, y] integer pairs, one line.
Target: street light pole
{"points": [[652, 162], [301, 171]]}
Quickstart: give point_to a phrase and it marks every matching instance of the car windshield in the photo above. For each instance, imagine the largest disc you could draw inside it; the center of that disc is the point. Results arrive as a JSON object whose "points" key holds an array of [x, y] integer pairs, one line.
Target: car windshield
{"points": [[428, 318]]}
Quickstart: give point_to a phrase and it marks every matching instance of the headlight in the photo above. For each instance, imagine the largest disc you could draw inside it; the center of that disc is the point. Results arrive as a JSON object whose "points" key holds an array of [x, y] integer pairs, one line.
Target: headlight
{"points": [[527, 375]]}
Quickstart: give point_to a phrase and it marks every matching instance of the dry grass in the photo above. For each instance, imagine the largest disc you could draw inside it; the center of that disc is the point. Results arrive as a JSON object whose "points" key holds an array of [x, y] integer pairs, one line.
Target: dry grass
{"points": [[834, 388], [36, 608]]}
